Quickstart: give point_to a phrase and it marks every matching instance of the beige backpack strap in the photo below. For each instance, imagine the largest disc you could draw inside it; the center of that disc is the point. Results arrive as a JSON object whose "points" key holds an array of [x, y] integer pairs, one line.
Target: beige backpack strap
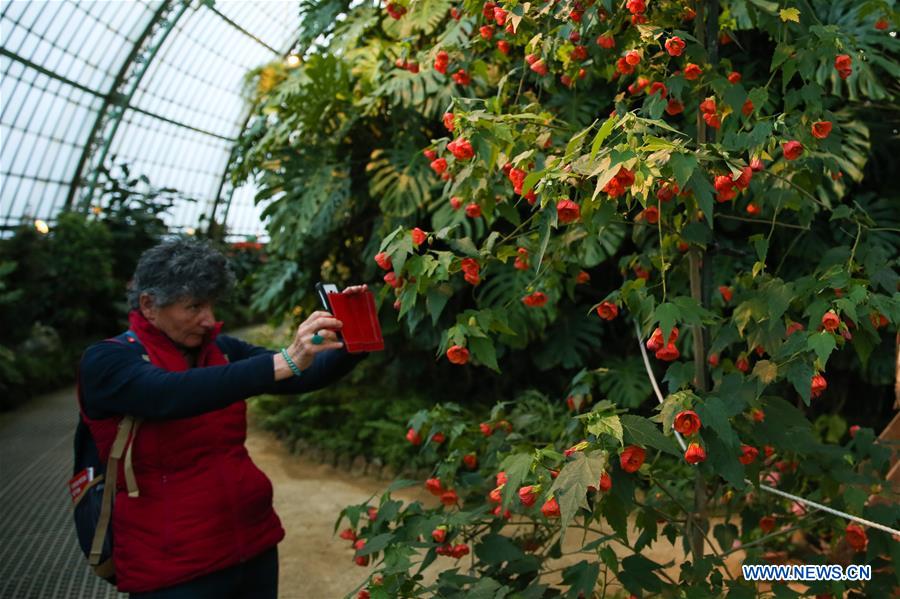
{"points": [[130, 479], [126, 425]]}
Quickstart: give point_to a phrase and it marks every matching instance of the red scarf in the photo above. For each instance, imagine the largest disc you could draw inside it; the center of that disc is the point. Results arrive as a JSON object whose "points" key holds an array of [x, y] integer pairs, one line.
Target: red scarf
{"points": [[164, 353]]}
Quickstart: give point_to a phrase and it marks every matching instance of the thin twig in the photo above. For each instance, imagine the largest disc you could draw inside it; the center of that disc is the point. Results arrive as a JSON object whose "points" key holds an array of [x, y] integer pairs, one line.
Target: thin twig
{"points": [[762, 540], [797, 187], [762, 222], [855, 243], [695, 523], [787, 253]]}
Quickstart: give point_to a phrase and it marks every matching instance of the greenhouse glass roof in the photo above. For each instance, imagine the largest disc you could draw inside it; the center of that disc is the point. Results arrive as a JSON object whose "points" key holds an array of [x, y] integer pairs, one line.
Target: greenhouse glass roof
{"points": [[159, 85]]}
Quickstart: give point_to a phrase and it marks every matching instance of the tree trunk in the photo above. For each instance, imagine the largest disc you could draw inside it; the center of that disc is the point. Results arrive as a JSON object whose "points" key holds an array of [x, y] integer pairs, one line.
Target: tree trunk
{"points": [[706, 30]]}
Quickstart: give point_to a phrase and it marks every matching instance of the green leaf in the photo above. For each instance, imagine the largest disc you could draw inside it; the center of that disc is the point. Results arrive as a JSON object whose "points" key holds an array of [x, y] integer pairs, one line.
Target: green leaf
{"points": [[800, 376], [401, 483], [531, 179], [714, 414], [570, 487], [641, 431], [483, 351], [605, 129], [735, 96], [683, 166], [407, 299], [725, 534], [464, 246], [637, 574], [703, 190], [723, 459], [667, 315], [615, 513], [486, 588], [779, 297], [548, 219], [377, 543], [823, 344], [697, 233], [495, 549], [654, 105], [610, 425], [752, 310], [581, 578], [574, 144], [678, 375], [759, 96], [782, 53], [766, 5], [609, 558], [436, 300], [692, 312], [787, 428], [517, 467]]}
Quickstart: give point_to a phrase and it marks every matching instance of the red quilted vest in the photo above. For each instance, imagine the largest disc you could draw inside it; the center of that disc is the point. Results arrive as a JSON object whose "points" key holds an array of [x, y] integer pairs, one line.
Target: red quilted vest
{"points": [[203, 504]]}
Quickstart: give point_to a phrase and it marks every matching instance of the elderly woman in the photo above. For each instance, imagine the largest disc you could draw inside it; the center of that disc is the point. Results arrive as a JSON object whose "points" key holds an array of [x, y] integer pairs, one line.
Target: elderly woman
{"points": [[200, 522]]}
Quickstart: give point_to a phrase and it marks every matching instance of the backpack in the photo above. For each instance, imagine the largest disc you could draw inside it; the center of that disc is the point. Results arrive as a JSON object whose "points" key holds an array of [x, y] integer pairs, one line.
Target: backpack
{"points": [[93, 488]]}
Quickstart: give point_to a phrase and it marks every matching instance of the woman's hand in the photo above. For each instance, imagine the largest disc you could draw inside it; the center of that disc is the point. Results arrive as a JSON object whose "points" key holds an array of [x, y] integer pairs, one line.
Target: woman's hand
{"points": [[356, 289], [303, 351]]}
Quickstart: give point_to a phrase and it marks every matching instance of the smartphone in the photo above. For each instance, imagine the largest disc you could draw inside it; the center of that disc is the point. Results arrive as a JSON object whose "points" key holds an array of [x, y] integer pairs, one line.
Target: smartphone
{"points": [[323, 289]]}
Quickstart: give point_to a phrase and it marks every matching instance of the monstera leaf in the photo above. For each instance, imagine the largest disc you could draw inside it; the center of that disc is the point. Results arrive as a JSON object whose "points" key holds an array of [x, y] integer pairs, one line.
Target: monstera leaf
{"points": [[399, 180]]}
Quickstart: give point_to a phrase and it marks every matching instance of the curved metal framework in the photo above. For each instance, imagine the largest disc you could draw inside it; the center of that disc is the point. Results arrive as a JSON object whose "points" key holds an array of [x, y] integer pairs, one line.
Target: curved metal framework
{"points": [[156, 83], [109, 117]]}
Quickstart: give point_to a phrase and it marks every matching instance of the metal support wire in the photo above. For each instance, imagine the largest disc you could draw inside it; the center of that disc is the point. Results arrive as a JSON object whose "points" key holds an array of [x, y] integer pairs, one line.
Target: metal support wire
{"points": [[766, 488]]}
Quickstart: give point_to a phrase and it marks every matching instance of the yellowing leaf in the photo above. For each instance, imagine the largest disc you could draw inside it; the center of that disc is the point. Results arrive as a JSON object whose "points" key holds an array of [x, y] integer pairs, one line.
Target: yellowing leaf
{"points": [[765, 371], [607, 424], [790, 14]]}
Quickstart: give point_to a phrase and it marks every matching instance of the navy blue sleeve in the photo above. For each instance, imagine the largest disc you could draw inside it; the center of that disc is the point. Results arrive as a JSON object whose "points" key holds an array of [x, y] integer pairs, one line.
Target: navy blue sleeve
{"points": [[327, 367], [116, 380]]}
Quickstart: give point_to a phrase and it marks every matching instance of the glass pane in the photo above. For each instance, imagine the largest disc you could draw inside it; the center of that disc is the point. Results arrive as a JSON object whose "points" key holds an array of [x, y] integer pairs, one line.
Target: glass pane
{"points": [[187, 109]]}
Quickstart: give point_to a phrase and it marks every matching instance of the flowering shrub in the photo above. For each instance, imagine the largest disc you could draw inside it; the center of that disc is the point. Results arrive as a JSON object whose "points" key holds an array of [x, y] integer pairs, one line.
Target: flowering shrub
{"points": [[650, 152]]}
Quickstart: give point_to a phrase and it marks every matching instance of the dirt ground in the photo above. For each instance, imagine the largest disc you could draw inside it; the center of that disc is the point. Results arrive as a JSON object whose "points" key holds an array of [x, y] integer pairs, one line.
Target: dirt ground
{"points": [[315, 563]]}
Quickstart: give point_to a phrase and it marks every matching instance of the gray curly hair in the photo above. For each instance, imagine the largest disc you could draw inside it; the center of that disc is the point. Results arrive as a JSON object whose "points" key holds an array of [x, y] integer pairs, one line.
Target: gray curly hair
{"points": [[180, 268]]}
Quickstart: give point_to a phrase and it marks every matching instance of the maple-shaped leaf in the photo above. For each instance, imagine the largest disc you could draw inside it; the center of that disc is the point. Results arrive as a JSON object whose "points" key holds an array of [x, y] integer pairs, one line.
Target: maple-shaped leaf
{"points": [[790, 14], [570, 487]]}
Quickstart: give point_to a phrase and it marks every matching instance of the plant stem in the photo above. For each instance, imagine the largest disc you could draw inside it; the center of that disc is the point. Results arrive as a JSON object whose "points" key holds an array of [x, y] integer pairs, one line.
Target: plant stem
{"points": [[787, 253], [773, 222], [662, 257], [706, 30], [797, 187], [704, 530], [762, 540], [853, 251]]}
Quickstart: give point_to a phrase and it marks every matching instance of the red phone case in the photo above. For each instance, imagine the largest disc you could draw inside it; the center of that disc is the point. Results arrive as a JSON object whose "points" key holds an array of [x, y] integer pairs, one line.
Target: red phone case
{"points": [[361, 331]]}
